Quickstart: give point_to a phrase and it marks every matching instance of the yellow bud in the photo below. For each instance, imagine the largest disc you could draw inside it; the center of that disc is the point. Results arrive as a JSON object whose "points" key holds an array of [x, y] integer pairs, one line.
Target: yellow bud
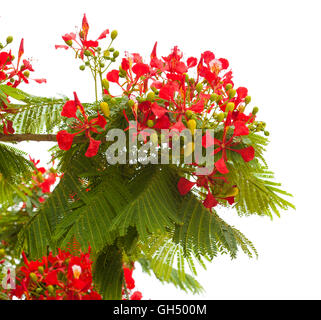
{"points": [[105, 108], [230, 107], [191, 124]]}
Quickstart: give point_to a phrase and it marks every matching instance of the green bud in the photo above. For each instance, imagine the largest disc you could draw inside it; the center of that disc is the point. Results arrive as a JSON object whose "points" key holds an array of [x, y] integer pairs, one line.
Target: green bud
{"points": [[150, 123], [39, 290], [41, 269], [9, 39], [189, 114], [255, 110], [33, 277], [230, 107], [98, 49], [131, 103], [228, 86], [51, 289], [69, 43], [113, 101], [106, 53], [113, 59], [116, 54], [247, 99], [105, 84], [213, 97], [220, 117], [82, 68], [231, 93], [266, 133], [150, 96], [111, 49], [26, 74], [102, 65], [87, 53], [87, 63], [114, 34], [199, 87], [1, 46]]}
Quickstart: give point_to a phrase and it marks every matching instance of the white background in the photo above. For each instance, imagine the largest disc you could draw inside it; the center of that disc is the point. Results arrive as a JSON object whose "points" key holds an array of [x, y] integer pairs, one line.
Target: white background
{"points": [[274, 50]]}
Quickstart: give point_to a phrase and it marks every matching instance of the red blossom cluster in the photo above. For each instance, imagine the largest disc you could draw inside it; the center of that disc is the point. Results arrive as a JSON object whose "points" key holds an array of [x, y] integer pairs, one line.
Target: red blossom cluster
{"points": [[41, 182], [73, 109], [13, 75], [127, 291], [60, 277], [163, 95], [82, 44]]}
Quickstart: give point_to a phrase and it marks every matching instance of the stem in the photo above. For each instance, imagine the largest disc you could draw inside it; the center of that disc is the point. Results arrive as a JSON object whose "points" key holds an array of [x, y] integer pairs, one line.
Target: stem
{"points": [[36, 137]]}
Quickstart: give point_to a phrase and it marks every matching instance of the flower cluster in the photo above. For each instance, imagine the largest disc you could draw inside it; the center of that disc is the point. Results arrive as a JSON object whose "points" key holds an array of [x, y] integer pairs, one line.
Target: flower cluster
{"points": [[40, 185], [74, 110], [164, 95], [127, 291], [12, 75], [60, 277]]}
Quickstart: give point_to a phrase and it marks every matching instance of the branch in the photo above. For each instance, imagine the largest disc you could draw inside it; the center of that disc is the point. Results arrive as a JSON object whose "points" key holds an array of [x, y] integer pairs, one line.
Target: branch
{"points": [[36, 137]]}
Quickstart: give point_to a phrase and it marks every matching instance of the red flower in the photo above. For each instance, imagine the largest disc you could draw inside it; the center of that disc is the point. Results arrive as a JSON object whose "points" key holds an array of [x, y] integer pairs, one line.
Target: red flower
{"points": [[140, 69], [137, 295], [113, 76], [65, 140]]}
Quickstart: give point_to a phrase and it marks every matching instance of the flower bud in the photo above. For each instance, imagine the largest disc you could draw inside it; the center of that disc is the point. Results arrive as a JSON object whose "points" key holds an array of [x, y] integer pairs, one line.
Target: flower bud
{"points": [[82, 68], [1, 46], [230, 107], [106, 53], [191, 124], [41, 269], [220, 117], [39, 290], [116, 54], [105, 108], [26, 74], [9, 39], [50, 289], [102, 65], [213, 97], [241, 109], [33, 277], [105, 84], [113, 101], [68, 43], [247, 99], [111, 49], [150, 123], [87, 53], [228, 86], [266, 133], [189, 114], [131, 103], [114, 34], [199, 87], [231, 93], [2, 253], [255, 110], [150, 96]]}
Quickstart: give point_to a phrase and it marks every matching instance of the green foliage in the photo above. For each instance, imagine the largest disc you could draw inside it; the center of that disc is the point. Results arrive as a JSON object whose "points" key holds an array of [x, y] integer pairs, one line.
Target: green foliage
{"points": [[13, 167], [33, 114]]}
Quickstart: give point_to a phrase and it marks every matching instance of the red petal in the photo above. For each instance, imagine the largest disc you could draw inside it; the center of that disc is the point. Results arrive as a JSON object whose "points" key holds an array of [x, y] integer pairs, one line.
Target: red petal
{"points": [[140, 69], [158, 110], [113, 76], [103, 35], [167, 92], [85, 26], [241, 92], [178, 126], [246, 153], [90, 43], [58, 46], [137, 295], [210, 201], [69, 109], [221, 166], [64, 140], [198, 107], [92, 148], [125, 64], [184, 186], [21, 49], [191, 62], [40, 80], [101, 121], [240, 129], [224, 63], [208, 56], [162, 123]]}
